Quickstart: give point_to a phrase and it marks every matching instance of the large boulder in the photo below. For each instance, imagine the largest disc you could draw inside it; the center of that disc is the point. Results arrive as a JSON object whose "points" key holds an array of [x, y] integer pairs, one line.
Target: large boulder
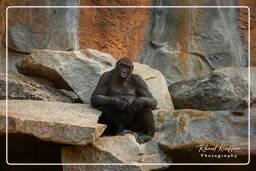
{"points": [[81, 70], [52, 121], [117, 149], [182, 132], [223, 89], [75, 70], [189, 126], [42, 28], [156, 83], [185, 42], [25, 88]]}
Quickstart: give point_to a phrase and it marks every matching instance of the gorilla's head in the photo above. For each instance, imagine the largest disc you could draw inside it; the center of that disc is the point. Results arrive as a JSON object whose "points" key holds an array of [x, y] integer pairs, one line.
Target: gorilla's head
{"points": [[124, 67]]}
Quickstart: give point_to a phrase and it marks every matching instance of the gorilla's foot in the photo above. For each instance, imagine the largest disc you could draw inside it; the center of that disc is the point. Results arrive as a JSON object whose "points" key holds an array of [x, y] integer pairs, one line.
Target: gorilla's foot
{"points": [[142, 138]]}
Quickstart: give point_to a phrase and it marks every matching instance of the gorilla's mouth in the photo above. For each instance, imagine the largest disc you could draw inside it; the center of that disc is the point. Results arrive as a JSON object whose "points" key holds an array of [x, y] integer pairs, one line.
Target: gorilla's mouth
{"points": [[124, 75]]}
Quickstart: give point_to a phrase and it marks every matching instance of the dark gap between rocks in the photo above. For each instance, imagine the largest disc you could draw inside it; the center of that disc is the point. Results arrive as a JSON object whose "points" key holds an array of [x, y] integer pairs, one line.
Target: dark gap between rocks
{"points": [[28, 149]]}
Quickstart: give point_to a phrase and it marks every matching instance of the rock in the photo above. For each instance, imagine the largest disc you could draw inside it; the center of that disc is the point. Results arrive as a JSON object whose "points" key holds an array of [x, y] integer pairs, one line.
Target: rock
{"points": [[161, 116], [81, 70], [25, 88], [52, 121], [253, 131], [13, 58], [2, 60], [42, 28], [243, 20], [116, 149], [77, 70], [185, 42], [223, 89], [72, 95], [2, 21], [185, 130], [156, 84]]}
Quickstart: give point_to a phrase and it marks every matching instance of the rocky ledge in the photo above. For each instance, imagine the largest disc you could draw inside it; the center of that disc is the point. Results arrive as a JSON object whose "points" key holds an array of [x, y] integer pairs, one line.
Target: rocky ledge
{"points": [[52, 121]]}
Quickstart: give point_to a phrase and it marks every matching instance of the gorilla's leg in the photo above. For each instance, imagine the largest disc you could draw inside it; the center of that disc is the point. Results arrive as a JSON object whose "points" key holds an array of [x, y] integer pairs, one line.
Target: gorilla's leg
{"points": [[114, 121], [144, 125]]}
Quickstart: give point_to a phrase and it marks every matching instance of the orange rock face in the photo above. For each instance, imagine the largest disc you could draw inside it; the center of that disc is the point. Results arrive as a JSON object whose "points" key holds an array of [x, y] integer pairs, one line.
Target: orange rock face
{"points": [[244, 25], [2, 20], [120, 32]]}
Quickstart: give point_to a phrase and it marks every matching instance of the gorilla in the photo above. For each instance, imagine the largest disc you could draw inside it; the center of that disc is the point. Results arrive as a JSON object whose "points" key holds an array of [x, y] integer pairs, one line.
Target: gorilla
{"points": [[125, 102]]}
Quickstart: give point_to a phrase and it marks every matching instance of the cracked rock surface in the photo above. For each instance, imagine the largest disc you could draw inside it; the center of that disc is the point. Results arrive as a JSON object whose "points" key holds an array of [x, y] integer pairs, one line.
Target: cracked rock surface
{"points": [[59, 122]]}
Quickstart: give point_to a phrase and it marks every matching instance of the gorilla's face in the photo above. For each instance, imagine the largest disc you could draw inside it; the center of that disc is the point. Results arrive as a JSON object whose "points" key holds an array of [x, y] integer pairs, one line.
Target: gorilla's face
{"points": [[124, 69]]}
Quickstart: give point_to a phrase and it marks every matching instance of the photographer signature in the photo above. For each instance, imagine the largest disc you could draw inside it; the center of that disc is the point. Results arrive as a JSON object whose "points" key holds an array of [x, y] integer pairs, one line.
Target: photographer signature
{"points": [[218, 148]]}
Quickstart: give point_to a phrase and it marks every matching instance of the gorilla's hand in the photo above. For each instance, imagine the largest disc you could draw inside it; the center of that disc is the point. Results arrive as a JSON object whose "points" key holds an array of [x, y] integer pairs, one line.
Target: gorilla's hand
{"points": [[120, 104], [138, 104]]}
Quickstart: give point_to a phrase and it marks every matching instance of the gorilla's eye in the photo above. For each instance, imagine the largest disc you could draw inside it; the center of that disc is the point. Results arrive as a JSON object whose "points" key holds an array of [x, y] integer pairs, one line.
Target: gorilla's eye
{"points": [[125, 66]]}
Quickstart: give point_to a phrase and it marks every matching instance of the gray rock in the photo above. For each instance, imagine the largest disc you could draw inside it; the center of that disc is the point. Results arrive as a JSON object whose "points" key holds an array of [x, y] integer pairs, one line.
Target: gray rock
{"points": [[2, 60], [25, 88], [184, 42], [80, 71], [185, 130], [71, 95], [59, 122], [116, 149], [156, 83], [43, 28], [13, 58], [77, 71], [253, 130], [223, 89]]}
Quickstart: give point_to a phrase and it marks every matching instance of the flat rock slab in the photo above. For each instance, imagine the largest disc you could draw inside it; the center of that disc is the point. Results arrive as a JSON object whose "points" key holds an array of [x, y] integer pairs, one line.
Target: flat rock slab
{"points": [[115, 149], [59, 122], [80, 71]]}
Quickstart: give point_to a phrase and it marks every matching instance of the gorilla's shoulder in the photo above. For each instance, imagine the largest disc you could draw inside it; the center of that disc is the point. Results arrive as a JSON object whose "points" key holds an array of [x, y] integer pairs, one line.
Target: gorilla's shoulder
{"points": [[138, 80], [106, 76], [136, 76]]}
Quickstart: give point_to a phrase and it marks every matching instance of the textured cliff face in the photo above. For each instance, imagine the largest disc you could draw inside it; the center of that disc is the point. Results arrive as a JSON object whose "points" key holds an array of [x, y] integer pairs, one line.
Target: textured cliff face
{"points": [[183, 43], [2, 30], [244, 25], [120, 32], [42, 28], [2, 18], [30, 29]]}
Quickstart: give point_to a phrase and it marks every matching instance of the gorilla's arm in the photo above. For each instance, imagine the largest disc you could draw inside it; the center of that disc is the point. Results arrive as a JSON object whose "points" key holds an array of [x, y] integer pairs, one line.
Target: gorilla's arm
{"points": [[99, 97], [144, 94]]}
